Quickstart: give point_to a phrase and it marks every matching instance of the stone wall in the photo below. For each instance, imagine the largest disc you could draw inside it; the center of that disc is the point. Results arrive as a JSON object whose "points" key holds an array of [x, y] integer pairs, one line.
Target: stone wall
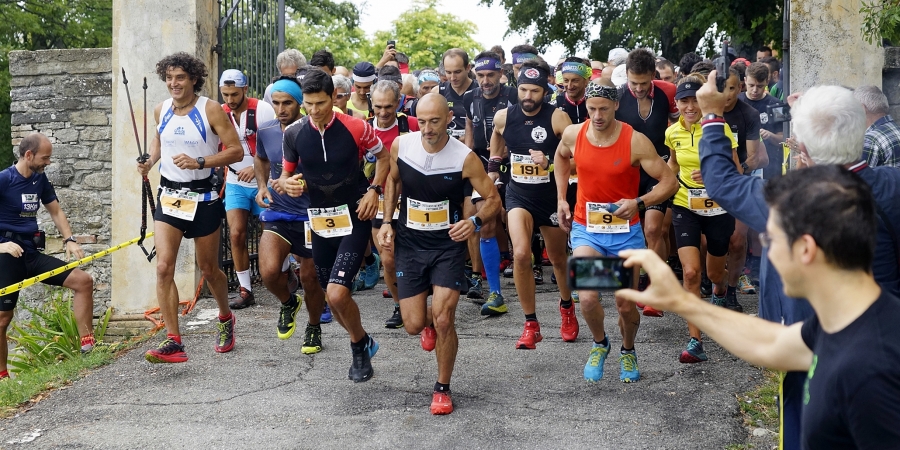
{"points": [[67, 95], [891, 79]]}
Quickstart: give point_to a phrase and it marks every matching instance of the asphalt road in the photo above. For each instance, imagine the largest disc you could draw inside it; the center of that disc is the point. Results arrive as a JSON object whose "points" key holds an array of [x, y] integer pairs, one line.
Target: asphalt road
{"points": [[266, 394]]}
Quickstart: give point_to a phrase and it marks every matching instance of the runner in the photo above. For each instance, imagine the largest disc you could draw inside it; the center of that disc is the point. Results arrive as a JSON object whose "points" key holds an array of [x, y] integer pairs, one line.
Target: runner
{"points": [[335, 181], [530, 131], [456, 66], [240, 188], [481, 104], [431, 171], [186, 144], [597, 148], [694, 213], [284, 220]]}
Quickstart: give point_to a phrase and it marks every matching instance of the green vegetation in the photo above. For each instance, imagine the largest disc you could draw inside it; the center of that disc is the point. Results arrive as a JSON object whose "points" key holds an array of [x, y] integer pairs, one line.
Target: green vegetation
{"points": [[881, 21], [760, 406]]}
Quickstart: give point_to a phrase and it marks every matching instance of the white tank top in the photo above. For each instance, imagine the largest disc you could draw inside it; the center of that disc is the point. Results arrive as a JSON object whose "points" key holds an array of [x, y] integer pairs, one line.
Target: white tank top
{"points": [[189, 134]]}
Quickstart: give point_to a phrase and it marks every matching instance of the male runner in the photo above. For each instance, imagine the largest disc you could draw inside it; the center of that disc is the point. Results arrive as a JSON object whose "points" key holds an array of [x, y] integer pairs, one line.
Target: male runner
{"points": [[284, 220], [323, 153], [431, 170], [481, 104], [530, 131], [457, 67], [597, 148], [245, 114], [186, 145], [520, 55]]}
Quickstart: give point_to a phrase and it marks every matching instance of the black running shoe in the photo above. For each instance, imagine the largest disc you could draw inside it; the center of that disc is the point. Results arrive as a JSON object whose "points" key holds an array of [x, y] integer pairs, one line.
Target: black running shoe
{"points": [[538, 275], [361, 367], [312, 341], [705, 287], [731, 302], [396, 320]]}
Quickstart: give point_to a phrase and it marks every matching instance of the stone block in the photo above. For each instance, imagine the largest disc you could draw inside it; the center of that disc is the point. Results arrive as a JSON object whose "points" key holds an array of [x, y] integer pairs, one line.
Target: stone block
{"points": [[66, 135], [99, 180], [88, 165], [61, 61], [892, 57], [85, 86], [99, 133], [41, 116], [102, 151], [60, 174], [101, 102], [71, 151], [90, 117]]}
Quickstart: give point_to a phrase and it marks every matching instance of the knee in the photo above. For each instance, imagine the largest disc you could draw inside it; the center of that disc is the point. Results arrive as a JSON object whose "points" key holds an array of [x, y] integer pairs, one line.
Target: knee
{"points": [[337, 296], [522, 255], [238, 235], [81, 281], [653, 231], [5, 320], [737, 243], [691, 274], [443, 322], [413, 328], [387, 260], [589, 300], [165, 270]]}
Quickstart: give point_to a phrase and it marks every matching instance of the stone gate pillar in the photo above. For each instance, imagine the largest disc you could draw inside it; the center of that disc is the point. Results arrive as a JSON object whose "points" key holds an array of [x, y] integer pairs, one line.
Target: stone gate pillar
{"points": [[144, 31]]}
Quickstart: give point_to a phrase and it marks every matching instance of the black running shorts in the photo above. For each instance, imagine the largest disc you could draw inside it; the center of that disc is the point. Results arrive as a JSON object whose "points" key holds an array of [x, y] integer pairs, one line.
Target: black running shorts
{"points": [[689, 226], [338, 259], [294, 233], [207, 219], [541, 208], [647, 184], [30, 264], [418, 270]]}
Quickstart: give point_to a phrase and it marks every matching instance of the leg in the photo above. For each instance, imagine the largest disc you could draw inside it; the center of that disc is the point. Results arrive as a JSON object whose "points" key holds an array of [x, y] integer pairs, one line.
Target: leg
{"points": [[521, 228], [690, 263], [443, 309], [167, 240], [315, 296], [207, 251], [82, 285], [5, 319], [237, 228], [589, 301], [473, 243], [555, 240], [656, 232], [387, 261], [273, 249]]}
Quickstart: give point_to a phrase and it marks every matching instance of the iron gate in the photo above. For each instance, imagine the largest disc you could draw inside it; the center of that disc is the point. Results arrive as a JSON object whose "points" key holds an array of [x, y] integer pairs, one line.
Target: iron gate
{"points": [[249, 38]]}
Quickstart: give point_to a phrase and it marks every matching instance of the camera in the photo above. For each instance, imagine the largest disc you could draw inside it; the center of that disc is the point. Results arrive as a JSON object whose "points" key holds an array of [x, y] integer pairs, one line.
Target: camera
{"points": [[600, 272], [778, 113], [392, 43], [722, 66]]}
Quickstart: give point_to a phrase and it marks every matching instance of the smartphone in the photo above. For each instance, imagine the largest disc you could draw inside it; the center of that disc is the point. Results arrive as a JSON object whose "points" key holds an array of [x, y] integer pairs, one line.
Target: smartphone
{"points": [[392, 43], [600, 272], [722, 66]]}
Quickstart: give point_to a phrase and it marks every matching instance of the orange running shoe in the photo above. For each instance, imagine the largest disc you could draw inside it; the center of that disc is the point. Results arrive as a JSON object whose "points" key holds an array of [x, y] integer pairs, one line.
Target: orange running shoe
{"points": [[441, 403], [530, 336], [568, 329], [429, 338]]}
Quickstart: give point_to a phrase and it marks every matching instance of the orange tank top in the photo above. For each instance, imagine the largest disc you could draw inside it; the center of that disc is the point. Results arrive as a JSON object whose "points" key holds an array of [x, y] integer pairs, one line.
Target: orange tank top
{"points": [[605, 174]]}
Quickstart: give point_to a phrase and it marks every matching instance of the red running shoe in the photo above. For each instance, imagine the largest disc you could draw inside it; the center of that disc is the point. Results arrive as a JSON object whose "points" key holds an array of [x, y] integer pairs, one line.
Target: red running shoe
{"points": [[168, 351], [651, 312], [568, 329], [530, 336], [428, 337], [387, 294], [641, 306], [225, 343], [441, 403]]}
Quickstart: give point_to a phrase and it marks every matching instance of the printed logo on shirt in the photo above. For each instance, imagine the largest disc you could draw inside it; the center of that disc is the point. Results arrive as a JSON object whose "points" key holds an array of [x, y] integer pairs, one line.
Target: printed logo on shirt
{"points": [[764, 118], [179, 131], [30, 205], [539, 134]]}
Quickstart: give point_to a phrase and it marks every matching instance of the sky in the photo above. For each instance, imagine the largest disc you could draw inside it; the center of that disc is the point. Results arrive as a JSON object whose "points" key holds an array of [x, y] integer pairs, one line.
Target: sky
{"points": [[492, 22]]}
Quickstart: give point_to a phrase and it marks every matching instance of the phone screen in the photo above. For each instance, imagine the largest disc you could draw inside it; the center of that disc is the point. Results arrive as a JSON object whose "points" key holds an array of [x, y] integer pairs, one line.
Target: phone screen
{"points": [[599, 272]]}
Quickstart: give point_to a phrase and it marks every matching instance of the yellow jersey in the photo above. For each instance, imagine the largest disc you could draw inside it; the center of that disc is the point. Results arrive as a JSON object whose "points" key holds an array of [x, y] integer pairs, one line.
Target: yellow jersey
{"points": [[685, 145]]}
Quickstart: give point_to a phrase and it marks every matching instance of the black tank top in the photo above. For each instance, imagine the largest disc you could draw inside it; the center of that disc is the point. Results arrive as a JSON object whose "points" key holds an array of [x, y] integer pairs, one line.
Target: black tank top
{"points": [[653, 126], [524, 133], [577, 111], [481, 112]]}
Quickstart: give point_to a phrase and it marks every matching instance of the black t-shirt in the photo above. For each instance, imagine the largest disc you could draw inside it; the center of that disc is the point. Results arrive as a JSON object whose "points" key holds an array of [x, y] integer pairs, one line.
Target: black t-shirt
{"points": [[577, 111], [852, 395], [455, 102], [654, 125], [776, 154], [481, 112], [744, 122]]}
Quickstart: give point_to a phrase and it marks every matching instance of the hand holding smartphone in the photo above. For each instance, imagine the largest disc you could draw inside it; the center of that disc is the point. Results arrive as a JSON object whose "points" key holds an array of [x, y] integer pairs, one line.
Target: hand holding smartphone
{"points": [[600, 272]]}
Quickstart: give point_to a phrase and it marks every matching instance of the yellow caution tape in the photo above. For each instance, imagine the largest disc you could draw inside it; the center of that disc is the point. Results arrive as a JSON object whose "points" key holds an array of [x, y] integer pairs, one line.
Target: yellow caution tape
{"points": [[28, 282]]}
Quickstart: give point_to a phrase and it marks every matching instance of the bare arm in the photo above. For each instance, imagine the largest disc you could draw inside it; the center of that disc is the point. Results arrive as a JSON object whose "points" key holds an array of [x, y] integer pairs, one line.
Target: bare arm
{"points": [[562, 167], [391, 195], [368, 206], [62, 224], [643, 152], [498, 143], [232, 151], [481, 183], [469, 139], [560, 122], [756, 155]]}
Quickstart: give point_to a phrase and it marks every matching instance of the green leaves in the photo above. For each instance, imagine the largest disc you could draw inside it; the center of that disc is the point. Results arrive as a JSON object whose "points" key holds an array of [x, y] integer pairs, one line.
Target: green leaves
{"points": [[881, 21]]}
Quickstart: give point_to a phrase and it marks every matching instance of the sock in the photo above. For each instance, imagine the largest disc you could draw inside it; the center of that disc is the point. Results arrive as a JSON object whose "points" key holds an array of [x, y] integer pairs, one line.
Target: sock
{"points": [[441, 387], [318, 325], [175, 337], [603, 343], [292, 301], [226, 318], [531, 317], [731, 290], [5, 374], [361, 345], [88, 340], [286, 264], [370, 259], [626, 350], [565, 303], [244, 279], [490, 256]]}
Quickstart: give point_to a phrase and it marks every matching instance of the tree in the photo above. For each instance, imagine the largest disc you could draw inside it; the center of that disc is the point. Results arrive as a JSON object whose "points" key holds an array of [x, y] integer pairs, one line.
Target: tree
{"points": [[46, 24], [423, 34], [347, 44]]}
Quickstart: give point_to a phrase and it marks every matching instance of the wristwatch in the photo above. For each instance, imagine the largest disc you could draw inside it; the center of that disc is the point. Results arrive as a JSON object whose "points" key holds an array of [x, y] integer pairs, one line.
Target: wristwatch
{"points": [[712, 116], [640, 204], [745, 167], [69, 239], [477, 221], [375, 188], [202, 162]]}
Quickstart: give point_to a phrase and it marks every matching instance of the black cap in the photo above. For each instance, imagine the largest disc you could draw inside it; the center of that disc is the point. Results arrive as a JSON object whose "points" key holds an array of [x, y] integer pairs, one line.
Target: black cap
{"points": [[688, 89]]}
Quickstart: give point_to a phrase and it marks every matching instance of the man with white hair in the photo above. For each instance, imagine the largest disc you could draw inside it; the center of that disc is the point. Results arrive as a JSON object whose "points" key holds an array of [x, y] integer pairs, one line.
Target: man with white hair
{"points": [[829, 125], [882, 144], [288, 63]]}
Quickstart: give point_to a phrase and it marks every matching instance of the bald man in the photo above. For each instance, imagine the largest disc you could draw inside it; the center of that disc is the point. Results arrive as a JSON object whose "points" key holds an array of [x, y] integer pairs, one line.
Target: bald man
{"points": [[430, 170]]}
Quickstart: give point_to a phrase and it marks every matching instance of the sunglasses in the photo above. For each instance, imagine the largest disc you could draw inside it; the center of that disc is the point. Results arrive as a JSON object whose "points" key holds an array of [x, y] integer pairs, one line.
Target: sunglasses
{"points": [[344, 95]]}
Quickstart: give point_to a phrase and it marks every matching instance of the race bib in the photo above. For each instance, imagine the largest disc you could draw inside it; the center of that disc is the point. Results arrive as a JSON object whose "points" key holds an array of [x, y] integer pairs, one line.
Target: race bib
{"points": [[380, 214], [600, 220], [307, 234], [573, 179], [700, 203], [179, 204], [331, 222], [525, 171], [427, 216]]}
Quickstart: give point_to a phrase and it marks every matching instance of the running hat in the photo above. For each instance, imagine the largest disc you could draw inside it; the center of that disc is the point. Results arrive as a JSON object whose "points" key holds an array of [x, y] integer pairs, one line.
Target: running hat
{"points": [[688, 89], [577, 68], [429, 75], [289, 87], [487, 64], [534, 75], [233, 77], [364, 72]]}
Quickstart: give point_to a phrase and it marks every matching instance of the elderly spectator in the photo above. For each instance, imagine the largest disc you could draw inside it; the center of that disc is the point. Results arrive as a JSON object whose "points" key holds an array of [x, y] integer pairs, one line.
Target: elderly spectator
{"points": [[882, 144]]}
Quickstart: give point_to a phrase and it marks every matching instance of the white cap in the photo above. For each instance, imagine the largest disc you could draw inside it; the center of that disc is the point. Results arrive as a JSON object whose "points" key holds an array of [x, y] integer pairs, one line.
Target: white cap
{"points": [[619, 77], [233, 76]]}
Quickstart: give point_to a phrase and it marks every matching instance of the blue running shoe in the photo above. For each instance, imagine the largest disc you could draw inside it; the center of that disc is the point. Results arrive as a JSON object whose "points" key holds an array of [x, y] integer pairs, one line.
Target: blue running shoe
{"points": [[326, 315], [575, 296], [358, 283], [593, 370], [717, 300], [361, 366], [372, 273], [628, 368], [495, 306], [694, 353]]}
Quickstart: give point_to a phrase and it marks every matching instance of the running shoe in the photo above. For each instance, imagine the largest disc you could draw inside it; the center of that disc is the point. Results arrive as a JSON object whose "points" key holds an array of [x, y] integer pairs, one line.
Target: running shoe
{"points": [[243, 299], [717, 300], [553, 277], [396, 320], [359, 283], [706, 286], [386, 294], [545, 260], [326, 317], [593, 370], [361, 367], [504, 263], [731, 302], [628, 368], [508, 270], [225, 343], [746, 286], [495, 306], [531, 335], [538, 274], [441, 404], [372, 274], [475, 289], [312, 340], [428, 338], [286, 324], [694, 352], [568, 329], [650, 311], [575, 296], [168, 351]]}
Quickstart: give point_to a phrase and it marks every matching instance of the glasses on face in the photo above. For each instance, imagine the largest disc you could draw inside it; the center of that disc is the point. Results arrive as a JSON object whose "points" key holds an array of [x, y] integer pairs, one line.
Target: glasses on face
{"points": [[764, 239], [343, 95]]}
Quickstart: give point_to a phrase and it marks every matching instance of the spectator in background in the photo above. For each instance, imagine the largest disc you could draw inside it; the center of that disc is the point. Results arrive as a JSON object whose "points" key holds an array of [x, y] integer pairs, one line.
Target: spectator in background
{"points": [[757, 96], [288, 63], [323, 59], [882, 144], [666, 70], [763, 52], [775, 86]]}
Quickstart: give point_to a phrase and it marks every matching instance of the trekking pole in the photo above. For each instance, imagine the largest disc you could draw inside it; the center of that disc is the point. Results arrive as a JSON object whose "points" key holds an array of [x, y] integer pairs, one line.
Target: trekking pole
{"points": [[133, 121], [143, 156]]}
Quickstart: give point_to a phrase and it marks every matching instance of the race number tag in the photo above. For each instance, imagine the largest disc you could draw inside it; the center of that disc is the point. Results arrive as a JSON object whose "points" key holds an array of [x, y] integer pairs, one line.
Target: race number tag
{"points": [[700, 203], [600, 220], [525, 171], [331, 222], [307, 234], [573, 179], [179, 204], [427, 216], [380, 214]]}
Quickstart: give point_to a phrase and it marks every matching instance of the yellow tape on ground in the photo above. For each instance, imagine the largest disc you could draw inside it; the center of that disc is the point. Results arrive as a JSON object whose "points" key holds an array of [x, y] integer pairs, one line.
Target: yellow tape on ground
{"points": [[28, 282]]}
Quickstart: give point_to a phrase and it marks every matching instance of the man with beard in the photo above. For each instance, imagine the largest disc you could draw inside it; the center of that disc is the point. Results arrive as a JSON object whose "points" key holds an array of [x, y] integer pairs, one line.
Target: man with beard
{"points": [[456, 67]]}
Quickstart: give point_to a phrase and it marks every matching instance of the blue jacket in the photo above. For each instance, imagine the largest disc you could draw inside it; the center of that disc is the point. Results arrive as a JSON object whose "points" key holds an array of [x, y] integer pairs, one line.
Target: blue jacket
{"points": [[742, 196], [885, 184]]}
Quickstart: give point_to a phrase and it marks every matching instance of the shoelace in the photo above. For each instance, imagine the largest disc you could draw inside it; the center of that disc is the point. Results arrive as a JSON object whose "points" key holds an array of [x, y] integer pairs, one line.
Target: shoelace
{"points": [[694, 345], [285, 314], [628, 362], [596, 354], [223, 331]]}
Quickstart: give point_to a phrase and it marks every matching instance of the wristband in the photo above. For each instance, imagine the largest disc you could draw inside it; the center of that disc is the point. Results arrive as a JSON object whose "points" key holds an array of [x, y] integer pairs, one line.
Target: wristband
{"points": [[494, 165], [69, 239]]}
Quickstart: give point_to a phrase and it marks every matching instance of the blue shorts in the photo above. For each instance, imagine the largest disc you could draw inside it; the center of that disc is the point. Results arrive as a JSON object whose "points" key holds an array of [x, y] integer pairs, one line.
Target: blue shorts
{"points": [[241, 197], [608, 244]]}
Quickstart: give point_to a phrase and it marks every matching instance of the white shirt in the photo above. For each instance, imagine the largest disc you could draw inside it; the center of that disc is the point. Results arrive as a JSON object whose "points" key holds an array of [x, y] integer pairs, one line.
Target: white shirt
{"points": [[264, 113]]}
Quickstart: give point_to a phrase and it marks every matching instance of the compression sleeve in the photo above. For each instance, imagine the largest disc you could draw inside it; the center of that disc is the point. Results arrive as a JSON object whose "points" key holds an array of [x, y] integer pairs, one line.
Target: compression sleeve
{"points": [[368, 141]]}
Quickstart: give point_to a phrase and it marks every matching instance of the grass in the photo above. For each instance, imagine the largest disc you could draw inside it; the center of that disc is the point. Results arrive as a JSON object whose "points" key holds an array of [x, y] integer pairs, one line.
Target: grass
{"points": [[760, 406]]}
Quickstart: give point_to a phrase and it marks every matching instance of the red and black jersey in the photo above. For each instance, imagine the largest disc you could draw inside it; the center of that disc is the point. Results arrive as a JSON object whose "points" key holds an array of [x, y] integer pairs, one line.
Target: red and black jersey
{"points": [[331, 159]]}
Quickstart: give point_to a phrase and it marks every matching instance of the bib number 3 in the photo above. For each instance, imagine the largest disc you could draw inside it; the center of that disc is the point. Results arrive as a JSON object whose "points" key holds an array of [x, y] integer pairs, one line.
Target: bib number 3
{"points": [[331, 222]]}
